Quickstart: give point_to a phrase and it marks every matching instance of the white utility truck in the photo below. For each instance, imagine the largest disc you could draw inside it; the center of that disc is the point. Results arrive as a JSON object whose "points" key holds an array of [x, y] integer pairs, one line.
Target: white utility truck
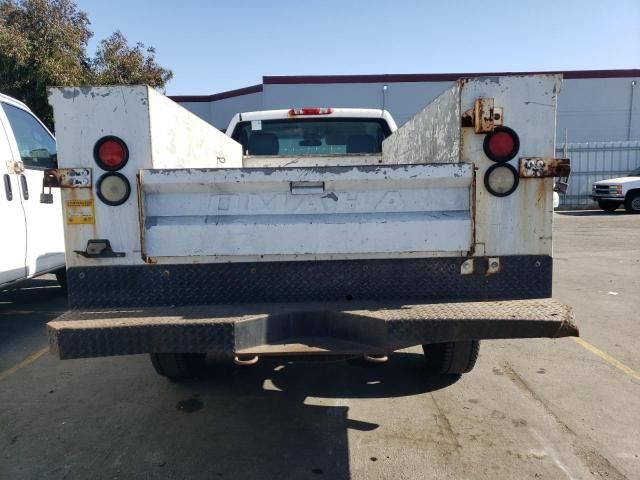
{"points": [[32, 240], [309, 231]]}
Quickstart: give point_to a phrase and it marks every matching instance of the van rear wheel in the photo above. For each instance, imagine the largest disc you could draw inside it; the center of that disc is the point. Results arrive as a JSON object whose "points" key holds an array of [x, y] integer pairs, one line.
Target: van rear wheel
{"points": [[177, 365], [451, 358]]}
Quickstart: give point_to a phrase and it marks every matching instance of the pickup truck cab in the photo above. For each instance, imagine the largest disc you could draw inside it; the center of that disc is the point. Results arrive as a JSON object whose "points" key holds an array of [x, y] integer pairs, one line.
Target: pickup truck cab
{"points": [[312, 132], [32, 238], [613, 192]]}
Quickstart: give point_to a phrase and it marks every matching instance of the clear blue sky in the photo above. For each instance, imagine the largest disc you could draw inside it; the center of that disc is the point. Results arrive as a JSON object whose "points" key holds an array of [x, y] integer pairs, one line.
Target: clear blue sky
{"points": [[222, 45]]}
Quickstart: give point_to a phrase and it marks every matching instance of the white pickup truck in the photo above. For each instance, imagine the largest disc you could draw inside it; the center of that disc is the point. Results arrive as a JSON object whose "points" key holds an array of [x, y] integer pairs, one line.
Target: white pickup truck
{"points": [[308, 231], [613, 192]]}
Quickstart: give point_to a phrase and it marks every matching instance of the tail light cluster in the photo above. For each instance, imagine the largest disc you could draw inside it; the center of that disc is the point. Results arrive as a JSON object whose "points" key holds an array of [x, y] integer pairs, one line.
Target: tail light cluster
{"points": [[501, 145], [111, 154]]}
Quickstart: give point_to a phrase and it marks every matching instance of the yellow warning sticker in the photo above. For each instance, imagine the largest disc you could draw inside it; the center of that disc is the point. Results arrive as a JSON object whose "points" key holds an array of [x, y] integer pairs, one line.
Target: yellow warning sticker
{"points": [[79, 212]]}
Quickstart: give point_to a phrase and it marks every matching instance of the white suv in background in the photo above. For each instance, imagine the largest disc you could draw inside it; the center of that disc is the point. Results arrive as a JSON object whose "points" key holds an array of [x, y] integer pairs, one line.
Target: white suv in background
{"points": [[32, 239], [613, 192]]}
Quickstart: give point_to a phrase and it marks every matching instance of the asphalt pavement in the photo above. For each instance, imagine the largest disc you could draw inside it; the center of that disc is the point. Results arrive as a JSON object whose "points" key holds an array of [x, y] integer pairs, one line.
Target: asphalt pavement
{"points": [[531, 409]]}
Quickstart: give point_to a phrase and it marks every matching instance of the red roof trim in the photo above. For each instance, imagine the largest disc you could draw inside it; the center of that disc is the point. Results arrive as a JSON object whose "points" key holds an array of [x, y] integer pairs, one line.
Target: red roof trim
{"points": [[391, 78], [436, 77], [217, 96]]}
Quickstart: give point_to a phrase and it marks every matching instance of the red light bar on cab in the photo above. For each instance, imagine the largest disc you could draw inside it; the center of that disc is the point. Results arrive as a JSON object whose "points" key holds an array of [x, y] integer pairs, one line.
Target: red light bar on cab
{"points": [[295, 112]]}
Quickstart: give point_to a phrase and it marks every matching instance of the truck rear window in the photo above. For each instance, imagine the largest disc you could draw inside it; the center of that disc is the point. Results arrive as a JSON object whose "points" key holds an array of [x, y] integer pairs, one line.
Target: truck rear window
{"points": [[311, 136]]}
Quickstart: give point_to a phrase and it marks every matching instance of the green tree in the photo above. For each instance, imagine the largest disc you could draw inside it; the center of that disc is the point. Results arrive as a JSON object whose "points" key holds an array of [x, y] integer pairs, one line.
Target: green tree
{"points": [[44, 43], [117, 63]]}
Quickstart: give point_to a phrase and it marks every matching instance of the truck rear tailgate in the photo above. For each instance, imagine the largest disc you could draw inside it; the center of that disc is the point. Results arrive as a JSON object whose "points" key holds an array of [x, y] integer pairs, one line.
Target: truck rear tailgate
{"points": [[314, 212]]}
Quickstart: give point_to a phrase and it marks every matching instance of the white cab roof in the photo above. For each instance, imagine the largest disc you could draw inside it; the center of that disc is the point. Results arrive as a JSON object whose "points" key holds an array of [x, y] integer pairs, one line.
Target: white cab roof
{"points": [[336, 113]]}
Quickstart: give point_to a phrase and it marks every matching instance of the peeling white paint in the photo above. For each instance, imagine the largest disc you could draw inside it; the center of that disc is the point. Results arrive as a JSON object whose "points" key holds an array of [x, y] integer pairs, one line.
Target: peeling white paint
{"points": [[431, 136]]}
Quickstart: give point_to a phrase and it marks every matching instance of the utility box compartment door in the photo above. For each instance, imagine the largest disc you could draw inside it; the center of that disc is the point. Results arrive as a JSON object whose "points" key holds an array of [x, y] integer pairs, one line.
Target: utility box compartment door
{"points": [[312, 212]]}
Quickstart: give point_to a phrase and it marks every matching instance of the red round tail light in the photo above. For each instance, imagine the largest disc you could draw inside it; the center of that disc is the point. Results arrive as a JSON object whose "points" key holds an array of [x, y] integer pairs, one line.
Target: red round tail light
{"points": [[501, 145], [111, 153]]}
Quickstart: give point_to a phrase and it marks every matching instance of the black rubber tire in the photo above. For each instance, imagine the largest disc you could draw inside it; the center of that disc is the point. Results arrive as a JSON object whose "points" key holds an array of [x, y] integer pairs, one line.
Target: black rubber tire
{"points": [[451, 358], [178, 365], [608, 205], [632, 202], [61, 277]]}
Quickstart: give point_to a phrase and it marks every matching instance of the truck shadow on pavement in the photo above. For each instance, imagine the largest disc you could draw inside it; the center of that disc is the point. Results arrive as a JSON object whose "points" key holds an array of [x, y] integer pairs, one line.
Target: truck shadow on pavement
{"points": [[282, 419]]}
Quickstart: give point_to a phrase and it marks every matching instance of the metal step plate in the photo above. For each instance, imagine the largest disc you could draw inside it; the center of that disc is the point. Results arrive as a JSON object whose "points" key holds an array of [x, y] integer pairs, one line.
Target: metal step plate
{"points": [[241, 328]]}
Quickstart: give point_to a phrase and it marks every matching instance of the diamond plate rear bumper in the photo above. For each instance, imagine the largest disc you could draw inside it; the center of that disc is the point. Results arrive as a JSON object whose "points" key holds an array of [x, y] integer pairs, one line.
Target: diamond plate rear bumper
{"points": [[301, 327], [425, 280]]}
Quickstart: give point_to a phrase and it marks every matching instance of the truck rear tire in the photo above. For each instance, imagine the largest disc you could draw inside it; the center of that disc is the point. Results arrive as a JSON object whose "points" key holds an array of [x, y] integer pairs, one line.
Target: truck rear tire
{"points": [[178, 365], [608, 205], [632, 202], [451, 358]]}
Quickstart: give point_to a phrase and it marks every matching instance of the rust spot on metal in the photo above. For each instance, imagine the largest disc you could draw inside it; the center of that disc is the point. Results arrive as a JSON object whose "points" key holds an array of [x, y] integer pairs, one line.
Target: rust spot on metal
{"points": [[484, 117], [472, 208], [51, 178], [467, 119], [541, 191], [143, 254]]}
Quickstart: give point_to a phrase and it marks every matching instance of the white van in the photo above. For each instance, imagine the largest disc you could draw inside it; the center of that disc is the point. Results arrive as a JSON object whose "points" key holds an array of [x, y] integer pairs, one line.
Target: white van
{"points": [[32, 239]]}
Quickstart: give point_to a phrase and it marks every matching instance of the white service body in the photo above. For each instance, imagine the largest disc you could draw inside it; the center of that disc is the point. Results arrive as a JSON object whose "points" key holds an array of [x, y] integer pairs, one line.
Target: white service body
{"points": [[197, 199]]}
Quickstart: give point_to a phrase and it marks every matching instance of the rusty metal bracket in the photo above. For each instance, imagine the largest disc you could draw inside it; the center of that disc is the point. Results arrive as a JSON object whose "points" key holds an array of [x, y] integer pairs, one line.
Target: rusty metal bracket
{"points": [[540, 167], [484, 117], [67, 178], [531, 167]]}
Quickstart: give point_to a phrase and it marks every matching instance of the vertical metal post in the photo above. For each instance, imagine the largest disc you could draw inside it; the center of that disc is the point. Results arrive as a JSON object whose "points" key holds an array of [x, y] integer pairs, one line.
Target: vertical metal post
{"points": [[633, 85], [565, 152]]}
